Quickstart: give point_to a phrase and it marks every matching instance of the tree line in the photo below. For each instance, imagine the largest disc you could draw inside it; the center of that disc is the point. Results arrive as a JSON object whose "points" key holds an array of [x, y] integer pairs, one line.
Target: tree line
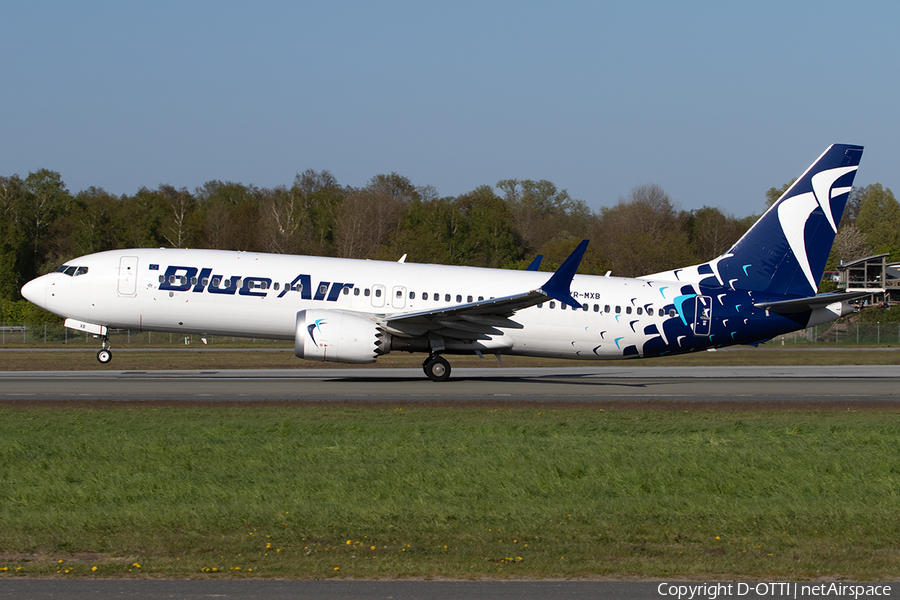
{"points": [[43, 224]]}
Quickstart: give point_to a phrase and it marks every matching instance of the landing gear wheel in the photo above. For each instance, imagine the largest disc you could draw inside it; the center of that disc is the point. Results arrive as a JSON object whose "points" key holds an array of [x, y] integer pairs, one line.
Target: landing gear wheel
{"points": [[437, 368], [104, 356]]}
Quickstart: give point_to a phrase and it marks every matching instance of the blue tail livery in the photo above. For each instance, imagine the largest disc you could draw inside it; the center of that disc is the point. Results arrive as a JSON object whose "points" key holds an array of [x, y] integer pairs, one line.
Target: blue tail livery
{"points": [[785, 251]]}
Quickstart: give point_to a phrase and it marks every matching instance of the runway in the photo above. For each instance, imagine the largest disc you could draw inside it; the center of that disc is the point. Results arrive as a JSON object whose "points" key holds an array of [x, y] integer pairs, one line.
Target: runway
{"points": [[869, 384]]}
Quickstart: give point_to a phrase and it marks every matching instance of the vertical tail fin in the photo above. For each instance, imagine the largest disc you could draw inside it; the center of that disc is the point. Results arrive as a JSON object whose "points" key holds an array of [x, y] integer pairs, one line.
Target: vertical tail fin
{"points": [[786, 249]]}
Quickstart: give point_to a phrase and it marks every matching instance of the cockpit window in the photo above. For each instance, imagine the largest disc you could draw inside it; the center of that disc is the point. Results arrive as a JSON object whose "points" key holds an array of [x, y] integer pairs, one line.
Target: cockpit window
{"points": [[72, 271]]}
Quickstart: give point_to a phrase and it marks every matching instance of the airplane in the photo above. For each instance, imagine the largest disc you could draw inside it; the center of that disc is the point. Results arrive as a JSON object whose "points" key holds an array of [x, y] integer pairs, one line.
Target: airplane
{"points": [[353, 311]]}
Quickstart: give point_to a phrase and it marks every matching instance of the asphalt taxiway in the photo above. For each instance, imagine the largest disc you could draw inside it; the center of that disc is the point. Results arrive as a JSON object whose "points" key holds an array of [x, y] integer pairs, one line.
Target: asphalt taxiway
{"points": [[871, 384]]}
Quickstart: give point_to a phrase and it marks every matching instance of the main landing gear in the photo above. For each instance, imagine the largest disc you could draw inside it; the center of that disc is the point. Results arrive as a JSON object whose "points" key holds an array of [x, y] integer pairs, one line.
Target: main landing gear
{"points": [[436, 368], [104, 355]]}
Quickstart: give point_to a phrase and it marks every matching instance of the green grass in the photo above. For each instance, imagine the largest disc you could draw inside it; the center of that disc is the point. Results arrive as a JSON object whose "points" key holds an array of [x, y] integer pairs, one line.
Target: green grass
{"points": [[293, 490]]}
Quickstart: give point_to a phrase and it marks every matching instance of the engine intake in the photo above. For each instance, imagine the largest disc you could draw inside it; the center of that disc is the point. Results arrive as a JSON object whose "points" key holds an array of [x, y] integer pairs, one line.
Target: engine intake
{"points": [[335, 336]]}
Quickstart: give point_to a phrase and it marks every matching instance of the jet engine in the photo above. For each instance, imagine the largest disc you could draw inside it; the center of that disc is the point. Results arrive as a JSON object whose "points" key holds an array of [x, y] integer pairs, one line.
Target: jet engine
{"points": [[335, 336]]}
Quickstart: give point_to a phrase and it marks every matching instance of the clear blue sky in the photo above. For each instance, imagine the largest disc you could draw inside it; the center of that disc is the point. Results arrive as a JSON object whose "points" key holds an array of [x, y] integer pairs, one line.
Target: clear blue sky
{"points": [[714, 101]]}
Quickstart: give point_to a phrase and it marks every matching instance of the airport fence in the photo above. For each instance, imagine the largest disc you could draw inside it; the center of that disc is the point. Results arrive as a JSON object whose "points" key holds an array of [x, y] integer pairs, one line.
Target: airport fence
{"points": [[850, 333], [56, 335]]}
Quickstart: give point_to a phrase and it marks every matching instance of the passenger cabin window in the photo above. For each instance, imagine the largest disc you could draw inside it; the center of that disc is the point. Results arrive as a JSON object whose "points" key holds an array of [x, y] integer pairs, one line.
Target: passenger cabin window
{"points": [[469, 299], [584, 307], [346, 291], [323, 289], [378, 293], [640, 310], [367, 292], [650, 311], [356, 291], [412, 295], [162, 278], [618, 309], [606, 308], [399, 293], [480, 298], [627, 310], [672, 312], [596, 308], [424, 295], [446, 297], [553, 305], [459, 297]]}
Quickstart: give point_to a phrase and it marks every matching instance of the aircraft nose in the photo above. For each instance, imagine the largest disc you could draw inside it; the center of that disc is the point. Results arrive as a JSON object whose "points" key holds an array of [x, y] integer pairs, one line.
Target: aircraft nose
{"points": [[35, 291]]}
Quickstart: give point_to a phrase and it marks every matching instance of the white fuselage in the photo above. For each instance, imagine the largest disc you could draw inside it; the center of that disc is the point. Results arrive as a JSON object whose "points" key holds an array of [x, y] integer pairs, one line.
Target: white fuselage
{"points": [[127, 289]]}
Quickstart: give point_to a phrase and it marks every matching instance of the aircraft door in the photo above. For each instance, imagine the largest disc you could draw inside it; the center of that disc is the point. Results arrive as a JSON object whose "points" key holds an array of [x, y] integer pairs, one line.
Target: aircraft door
{"points": [[377, 296], [398, 299], [703, 316], [128, 276]]}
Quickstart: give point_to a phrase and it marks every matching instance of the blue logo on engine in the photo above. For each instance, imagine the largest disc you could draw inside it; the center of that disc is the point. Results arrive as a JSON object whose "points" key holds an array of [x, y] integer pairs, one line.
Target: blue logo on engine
{"points": [[315, 326]]}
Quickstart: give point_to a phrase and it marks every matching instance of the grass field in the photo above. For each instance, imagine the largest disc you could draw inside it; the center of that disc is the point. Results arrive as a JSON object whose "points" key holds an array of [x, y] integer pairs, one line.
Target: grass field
{"points": [[331, 490]]}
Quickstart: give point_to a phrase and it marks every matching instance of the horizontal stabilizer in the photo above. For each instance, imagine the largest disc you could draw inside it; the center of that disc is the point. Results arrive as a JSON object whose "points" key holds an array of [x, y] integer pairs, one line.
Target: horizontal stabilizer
{"points": [[798, 305]]}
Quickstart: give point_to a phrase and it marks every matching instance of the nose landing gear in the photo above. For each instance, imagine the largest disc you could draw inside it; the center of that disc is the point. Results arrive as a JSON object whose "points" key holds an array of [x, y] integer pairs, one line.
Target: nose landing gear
{"points": [[436, 368], [104, 355]]}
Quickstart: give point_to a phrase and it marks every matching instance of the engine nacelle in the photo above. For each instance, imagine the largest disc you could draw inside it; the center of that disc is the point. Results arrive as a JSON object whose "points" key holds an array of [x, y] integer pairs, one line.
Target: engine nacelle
{"points": [[335, 336]]}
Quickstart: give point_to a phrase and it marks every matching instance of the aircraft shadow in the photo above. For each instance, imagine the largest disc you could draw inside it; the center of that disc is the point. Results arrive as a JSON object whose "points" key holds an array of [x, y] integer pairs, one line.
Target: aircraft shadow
{"points": [[567, 380]]}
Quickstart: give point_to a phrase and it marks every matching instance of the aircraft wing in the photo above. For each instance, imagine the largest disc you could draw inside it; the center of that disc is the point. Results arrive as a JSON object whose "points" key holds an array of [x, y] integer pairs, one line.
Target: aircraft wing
{"points": [[482, 319], [477, 320]]}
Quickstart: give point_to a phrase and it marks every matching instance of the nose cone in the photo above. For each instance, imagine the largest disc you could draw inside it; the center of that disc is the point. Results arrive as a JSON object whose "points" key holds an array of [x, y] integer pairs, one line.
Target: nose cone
{"points": [[35, 291]]}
